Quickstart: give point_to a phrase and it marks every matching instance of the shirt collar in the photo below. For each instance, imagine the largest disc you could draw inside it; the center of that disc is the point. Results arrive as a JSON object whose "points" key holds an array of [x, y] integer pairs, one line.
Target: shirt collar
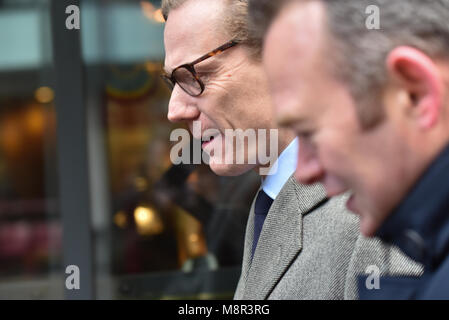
{"points": [[420, 224], [282, 169]]}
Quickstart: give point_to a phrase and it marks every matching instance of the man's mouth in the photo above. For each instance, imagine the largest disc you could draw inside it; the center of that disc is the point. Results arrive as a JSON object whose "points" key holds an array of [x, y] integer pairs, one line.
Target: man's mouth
{"points": [[207, 140]]}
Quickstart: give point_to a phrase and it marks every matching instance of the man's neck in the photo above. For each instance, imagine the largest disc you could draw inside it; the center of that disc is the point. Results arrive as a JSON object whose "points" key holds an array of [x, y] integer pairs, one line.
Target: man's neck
{"points": [[286, 137]]}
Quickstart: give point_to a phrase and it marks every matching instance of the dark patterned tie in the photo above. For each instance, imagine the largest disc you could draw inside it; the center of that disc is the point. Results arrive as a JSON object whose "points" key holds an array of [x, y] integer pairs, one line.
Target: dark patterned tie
{"points": [[263, 204]]}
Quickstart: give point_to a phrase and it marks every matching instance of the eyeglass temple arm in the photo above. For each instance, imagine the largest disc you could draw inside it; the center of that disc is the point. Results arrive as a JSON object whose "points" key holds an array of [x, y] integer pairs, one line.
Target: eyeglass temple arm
{"points": [[214, 52]]}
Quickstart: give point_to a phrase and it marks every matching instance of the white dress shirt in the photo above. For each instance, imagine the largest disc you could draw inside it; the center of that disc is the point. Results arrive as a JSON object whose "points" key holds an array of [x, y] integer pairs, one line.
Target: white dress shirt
{"points": [[286, 165]]}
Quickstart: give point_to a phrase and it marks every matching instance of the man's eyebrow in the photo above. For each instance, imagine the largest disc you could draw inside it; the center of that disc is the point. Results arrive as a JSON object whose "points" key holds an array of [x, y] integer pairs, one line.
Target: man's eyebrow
{"points": [[290, 120], [206, 64]]}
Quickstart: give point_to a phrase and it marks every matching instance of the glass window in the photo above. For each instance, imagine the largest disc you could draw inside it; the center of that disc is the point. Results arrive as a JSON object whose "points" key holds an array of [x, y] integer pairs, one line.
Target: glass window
{"points": [[171, 231], [30, 224]]}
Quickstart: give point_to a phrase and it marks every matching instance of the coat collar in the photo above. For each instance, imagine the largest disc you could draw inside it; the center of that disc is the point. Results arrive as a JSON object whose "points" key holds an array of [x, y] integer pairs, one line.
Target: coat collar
{"points": [[281, 239], [420, 224]]}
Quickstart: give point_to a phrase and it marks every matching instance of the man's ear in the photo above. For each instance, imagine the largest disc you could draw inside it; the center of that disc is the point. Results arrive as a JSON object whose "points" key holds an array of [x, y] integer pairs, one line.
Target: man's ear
{"points": [[418, 76]]}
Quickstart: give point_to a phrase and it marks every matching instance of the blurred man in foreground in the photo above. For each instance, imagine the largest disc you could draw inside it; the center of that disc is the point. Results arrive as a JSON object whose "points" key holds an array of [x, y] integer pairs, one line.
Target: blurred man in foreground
{"points": [[371, 110]]}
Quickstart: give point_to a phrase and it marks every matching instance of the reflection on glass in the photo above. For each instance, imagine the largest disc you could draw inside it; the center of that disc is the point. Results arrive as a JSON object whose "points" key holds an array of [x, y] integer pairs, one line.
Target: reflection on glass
{"points": [[30, 228], [161, 231], [177, 231]]}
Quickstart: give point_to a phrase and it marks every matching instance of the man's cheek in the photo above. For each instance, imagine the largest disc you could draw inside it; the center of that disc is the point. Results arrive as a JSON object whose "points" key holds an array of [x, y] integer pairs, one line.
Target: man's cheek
{"points": [[334, 185], [331, 159], [338, 167]]}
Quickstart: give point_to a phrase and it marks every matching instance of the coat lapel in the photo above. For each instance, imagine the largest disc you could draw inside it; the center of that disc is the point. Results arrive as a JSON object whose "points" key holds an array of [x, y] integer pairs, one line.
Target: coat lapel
{"points": [[249, 236], [281, 239]]}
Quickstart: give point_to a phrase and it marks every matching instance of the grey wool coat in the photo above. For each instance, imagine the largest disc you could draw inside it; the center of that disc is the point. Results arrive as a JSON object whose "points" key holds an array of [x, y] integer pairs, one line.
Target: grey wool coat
{"points": [[311, 248]]}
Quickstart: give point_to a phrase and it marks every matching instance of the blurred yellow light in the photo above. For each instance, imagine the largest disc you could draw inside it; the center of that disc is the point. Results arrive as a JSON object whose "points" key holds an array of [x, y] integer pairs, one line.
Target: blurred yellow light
{"points": [[44, 95], [151, 13], [120, 219], [147, 221], [194, 237], [158, 16], [143, 215], [152, 67], [141, 184], [147, 9], [11, 137], [148, 6], [35, 120]]}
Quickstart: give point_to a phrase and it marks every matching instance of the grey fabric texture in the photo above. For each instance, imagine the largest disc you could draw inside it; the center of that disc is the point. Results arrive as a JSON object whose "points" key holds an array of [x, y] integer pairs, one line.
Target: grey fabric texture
{"points": [[312, 250]]}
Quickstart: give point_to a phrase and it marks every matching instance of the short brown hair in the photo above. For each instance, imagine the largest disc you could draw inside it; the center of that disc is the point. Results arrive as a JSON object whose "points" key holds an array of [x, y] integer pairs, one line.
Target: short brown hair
{"points": [[235, 21]]}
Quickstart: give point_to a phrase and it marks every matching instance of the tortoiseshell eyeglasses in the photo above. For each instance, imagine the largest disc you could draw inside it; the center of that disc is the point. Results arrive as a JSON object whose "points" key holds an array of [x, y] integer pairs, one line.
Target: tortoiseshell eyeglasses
{"points": [[187, 78]]}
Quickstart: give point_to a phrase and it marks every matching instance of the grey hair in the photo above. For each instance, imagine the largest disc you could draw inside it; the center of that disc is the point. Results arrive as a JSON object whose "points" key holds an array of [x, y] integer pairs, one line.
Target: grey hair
{"points": [[359, 53], [235, 22]]}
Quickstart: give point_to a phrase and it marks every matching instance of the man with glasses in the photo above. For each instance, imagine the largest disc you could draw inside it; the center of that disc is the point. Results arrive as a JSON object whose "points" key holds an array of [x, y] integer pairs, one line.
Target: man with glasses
{"points": [[187, 78], [299, 244]]}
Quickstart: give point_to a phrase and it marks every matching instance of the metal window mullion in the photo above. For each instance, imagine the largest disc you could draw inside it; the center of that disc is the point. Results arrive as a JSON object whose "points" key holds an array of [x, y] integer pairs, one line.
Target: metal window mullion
{"points": [[72, 150]]}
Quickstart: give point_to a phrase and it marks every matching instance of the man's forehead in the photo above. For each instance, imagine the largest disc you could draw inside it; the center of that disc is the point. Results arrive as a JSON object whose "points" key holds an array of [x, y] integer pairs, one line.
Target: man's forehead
{"points": [[293, 44], [192, 30], [302, 24]]}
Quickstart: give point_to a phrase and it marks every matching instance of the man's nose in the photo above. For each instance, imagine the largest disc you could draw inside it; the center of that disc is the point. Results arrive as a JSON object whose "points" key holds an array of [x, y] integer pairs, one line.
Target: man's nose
{"points": [[309, 169], [181, 107]]}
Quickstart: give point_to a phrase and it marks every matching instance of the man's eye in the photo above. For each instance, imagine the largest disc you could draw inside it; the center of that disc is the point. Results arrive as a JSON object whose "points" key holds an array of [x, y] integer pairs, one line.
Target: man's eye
{"points": [[204, 76], [304, 134]]}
